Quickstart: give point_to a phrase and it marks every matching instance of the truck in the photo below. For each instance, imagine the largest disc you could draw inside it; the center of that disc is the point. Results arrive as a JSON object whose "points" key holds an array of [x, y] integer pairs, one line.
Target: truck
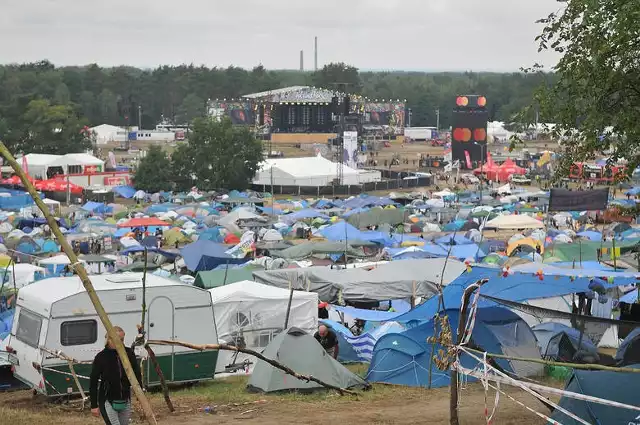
{"points": [[419, 133]]}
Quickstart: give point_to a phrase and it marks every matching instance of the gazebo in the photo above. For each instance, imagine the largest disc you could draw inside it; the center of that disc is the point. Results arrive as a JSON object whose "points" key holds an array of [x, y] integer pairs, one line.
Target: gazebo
{"points": [[508, 168]]}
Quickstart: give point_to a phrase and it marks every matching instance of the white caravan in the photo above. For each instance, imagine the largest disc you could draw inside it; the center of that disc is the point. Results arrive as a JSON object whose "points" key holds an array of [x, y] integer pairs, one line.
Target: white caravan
{"points": [[57, 314]]}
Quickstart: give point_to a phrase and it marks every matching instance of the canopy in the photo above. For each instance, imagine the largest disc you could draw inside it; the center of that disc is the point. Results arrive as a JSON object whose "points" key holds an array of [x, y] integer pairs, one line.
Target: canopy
{"points": [[143, 222], [57, 185], [508, 168], [516, 221], [390, 281]]}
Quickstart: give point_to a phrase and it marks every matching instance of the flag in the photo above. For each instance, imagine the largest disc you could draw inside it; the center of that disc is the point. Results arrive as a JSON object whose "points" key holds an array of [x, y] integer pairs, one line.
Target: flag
{"points": [[25, 166], [544, 159], [468, 158], [112, 160]]}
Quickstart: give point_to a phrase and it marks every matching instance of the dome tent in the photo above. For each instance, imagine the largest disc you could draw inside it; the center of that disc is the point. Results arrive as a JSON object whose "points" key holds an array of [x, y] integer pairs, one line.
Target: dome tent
{"points": [[301, 352]]}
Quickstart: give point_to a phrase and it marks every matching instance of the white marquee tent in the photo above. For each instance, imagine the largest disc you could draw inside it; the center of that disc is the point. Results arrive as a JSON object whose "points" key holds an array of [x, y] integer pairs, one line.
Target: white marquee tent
{"points": [[309, 171]]}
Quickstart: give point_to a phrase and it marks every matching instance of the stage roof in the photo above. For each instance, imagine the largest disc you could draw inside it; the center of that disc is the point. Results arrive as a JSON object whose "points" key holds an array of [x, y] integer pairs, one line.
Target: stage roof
{"points": [[293, 94]]}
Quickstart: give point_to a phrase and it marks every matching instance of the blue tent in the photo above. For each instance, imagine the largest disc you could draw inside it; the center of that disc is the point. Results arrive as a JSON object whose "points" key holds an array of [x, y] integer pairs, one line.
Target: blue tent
{"points": [[404, 358], [124, 191], [591, 235], [560, 342], [629, 350], [206, 255], [304, 214], [454, 239], [616, 386], [97, 207]]}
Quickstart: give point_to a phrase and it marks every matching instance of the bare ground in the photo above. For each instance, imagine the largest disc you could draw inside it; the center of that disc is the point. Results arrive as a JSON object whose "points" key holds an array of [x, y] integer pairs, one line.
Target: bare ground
{"points": [[382, 405]]}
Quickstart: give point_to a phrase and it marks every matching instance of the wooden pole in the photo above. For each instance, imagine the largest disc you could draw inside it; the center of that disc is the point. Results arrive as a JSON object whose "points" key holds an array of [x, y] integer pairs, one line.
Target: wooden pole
{"points": [[77, 381], [163, 382], [86, 282], [453, 374], [286, 318], [341, 391]]}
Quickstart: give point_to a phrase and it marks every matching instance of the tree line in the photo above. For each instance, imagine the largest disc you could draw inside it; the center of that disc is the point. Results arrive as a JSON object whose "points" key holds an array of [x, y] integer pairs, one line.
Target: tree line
{"points": [[72, 97]]}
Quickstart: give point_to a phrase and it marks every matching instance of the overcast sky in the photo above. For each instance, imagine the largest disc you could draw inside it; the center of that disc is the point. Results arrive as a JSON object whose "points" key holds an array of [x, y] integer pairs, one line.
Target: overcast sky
{"points": [[370, 34]]}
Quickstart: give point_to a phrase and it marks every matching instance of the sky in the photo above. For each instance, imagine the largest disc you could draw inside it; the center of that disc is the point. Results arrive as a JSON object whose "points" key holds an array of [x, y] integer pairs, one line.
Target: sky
{"points": [[429, 35]]}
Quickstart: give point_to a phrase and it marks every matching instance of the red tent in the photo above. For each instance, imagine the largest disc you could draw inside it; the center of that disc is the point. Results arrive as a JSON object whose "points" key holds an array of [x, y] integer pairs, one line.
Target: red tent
{"points": [[143, 222], [508, 168], [56, 185], [15, 180], [490, 170]]}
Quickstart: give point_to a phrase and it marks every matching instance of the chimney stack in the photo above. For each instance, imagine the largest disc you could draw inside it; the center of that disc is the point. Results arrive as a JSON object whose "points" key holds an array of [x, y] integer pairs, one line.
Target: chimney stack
{"points": [[315, 52], [301, 60]]}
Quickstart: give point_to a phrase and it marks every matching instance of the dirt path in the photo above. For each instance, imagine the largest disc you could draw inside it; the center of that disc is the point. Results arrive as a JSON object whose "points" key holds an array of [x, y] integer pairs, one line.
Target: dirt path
{"points": [[397, 407]]}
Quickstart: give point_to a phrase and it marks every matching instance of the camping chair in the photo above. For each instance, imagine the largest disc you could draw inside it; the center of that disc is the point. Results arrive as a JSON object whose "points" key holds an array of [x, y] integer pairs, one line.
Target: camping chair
{"points": [[236, 339]]}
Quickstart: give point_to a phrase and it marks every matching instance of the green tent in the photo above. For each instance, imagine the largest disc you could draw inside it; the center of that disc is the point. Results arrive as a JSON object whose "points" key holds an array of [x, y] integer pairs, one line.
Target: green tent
{"points": [[586, 250], [310, 248], [301, 352], [377, 216], [214, 278]]}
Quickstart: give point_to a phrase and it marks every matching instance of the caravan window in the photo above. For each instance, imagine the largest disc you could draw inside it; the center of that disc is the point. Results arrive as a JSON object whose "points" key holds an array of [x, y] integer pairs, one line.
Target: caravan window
{"points": [[29, 325], [79, 332]]}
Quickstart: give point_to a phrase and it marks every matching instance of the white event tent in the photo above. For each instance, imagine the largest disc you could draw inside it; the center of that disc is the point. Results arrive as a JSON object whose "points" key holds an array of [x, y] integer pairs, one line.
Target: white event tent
{"points": [[309, 171]]}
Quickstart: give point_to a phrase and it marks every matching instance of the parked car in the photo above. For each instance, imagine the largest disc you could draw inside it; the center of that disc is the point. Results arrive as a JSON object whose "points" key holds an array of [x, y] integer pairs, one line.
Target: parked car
{"points": [[517, 179]]}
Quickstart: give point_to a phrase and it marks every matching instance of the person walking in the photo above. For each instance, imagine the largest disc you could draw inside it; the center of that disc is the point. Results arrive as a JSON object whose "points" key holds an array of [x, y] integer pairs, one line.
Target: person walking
{"points": [[109, 387]]}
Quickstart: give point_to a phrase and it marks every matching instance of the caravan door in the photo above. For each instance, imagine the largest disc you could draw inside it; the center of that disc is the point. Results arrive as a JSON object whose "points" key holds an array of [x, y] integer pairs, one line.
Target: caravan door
{"points": [[161, 325]]}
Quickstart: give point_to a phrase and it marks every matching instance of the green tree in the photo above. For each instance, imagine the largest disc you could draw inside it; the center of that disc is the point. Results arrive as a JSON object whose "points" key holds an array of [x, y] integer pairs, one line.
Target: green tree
{"points": [[62, 95], [51, 129], [219, 155], [154, 171], [182, 174], [338, 76], [192, 107], [595, 98]]}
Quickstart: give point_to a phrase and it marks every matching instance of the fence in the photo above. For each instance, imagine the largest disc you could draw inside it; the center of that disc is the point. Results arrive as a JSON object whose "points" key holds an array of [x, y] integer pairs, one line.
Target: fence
{"points": [[394, 183]]}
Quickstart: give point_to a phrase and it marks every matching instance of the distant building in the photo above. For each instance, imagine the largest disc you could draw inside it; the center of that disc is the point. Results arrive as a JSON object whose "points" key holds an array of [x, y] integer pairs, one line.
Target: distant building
{"points": [[106, 133]]}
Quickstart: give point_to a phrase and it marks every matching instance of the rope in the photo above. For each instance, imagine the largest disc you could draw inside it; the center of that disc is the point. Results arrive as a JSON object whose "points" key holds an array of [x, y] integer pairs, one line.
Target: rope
{"points": [[485, 384], [542, 415], [517, 383]]}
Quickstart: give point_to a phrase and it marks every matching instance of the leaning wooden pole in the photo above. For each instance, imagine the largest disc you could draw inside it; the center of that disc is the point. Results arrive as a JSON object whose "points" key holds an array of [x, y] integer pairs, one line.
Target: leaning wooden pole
{"points": [[84, 277]]}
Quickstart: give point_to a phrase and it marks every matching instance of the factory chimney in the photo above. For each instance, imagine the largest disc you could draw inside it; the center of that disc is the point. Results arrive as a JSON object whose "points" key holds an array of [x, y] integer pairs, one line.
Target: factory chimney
{"points": [[315, 52], [301, 60]]}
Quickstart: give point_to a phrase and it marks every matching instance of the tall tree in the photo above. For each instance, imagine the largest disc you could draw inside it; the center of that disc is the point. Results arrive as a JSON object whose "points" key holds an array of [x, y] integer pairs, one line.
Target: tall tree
{"points": [[192, 107], [154, 171], [595, 99], [338, 76], [62, 95], [221, 155]]}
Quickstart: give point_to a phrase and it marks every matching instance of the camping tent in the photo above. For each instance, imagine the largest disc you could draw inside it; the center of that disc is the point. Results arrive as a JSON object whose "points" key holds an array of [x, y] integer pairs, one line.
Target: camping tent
{"points": [[400, 358], [301, 352], [616, 386], [560, 342], [251, 314], [629, 350]]}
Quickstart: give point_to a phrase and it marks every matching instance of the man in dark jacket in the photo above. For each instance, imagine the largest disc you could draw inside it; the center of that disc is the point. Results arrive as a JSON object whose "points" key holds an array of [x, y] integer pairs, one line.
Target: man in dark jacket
{"points": [[109, 389]]}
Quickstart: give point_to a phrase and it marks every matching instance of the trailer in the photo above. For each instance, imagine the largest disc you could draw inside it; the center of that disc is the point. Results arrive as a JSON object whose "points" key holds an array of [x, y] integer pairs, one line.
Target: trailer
{"points": [[56, 314]]}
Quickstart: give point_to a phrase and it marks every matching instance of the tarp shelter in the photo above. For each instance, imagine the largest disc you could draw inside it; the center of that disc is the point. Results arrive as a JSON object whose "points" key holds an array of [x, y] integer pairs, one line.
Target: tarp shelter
{"points": [[307, 249], [390, 281], [404, 358], [515, 221], [616, 386], [207, 255], [301, 352], [509, 168], [97, 207], [213, 278], [253, 314]]}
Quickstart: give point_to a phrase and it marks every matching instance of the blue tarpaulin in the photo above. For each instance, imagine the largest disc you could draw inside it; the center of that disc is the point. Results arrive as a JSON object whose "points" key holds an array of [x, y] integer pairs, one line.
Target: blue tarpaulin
{"points": [[97, 207], [206, 255], [124, 191], [373, 315]]}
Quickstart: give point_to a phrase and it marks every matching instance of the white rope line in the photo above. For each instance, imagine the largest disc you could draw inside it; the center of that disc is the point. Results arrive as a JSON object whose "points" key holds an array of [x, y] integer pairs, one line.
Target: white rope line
{"points": [[527, 389], [554, 391], [485, 384], [542, 415]]}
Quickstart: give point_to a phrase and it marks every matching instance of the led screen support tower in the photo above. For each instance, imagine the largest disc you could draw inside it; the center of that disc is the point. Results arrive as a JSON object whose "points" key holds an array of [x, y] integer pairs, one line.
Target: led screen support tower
{"points": [[469, 129]]}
